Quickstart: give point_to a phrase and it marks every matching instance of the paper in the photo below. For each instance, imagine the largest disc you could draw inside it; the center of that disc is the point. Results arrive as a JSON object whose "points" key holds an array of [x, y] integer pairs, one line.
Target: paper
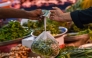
{"points": [[46, 13]]}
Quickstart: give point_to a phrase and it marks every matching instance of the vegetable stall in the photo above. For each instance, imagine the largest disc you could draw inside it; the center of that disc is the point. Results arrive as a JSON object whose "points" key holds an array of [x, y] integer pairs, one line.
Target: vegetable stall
{"points": [[14, 32]]}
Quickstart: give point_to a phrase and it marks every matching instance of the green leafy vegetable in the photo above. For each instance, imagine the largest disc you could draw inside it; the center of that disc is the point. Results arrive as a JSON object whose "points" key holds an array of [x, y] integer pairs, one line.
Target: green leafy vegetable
{"points": [[12, 31], [73, 52], [38, 26]]}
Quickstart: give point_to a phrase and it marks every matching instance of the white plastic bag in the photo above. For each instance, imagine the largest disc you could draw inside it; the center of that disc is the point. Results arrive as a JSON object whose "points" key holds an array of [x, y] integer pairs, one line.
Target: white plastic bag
{"points": [[45, 44]]}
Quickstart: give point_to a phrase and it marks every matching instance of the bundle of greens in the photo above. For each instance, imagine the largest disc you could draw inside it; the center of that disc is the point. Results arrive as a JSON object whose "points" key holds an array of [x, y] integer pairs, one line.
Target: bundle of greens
{"points": [[12, 31], [72, 52]]}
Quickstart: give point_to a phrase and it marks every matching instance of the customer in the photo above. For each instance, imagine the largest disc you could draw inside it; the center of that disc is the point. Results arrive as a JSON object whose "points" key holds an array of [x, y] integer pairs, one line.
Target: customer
{"points": [[17, 13]]}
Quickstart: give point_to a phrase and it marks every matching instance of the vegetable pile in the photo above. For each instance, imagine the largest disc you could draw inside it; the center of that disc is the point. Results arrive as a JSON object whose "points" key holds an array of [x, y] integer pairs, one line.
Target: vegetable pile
{"points": [[12, 31], [38, 27], [72, 52]]}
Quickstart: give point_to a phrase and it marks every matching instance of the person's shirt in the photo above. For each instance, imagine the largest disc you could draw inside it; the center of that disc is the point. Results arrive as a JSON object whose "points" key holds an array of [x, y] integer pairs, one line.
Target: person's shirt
{"points": [[81, 17]]}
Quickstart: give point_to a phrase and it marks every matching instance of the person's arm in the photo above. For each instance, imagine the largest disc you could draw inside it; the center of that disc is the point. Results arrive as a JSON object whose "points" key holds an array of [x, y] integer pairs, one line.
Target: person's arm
{"points": [[66, 17], [17, 13], [58, 15], [81, 17]]}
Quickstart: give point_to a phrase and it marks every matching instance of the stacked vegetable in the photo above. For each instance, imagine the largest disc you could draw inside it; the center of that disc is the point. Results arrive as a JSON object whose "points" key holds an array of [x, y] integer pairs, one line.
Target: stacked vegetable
{"points": [[13, 30]]}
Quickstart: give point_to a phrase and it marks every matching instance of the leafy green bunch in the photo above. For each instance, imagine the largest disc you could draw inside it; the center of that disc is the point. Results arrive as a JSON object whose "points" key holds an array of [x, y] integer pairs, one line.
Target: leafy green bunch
{"points": [[12, 31]]}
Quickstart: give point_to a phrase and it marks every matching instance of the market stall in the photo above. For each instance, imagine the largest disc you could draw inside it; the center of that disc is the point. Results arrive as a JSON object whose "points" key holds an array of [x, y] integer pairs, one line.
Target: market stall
{"points": [[44, 39]]}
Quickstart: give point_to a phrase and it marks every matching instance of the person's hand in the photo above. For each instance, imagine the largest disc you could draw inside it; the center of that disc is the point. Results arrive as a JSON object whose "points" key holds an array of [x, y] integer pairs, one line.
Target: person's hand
{"points": [[56, 14], [36, 14]]}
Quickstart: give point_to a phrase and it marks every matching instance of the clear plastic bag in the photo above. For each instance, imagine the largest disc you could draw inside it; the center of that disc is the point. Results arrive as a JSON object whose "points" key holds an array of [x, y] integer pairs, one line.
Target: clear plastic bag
{"points": [[45, 44]]}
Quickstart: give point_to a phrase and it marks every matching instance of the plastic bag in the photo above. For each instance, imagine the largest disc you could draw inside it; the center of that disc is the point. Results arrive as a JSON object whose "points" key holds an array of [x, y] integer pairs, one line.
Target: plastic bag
{"points": [[45, 44]]}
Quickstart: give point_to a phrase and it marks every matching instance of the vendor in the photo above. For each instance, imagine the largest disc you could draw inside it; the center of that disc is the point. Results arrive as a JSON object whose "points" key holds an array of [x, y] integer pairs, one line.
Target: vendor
{"points": [[79, 17]]}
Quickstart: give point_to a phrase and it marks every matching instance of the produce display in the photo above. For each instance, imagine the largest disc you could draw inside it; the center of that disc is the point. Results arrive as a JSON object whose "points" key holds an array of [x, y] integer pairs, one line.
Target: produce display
{"points": [[73, 52], [38, 27], [46, 47], [21, 51], [13, 30]]}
